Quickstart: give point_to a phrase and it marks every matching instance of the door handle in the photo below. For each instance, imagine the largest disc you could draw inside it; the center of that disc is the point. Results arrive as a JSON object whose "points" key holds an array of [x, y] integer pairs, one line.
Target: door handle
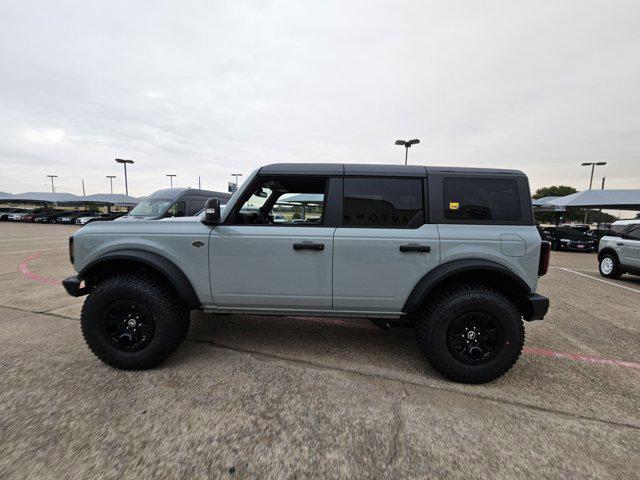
{"points": [[308, 246], [415, 248], [620, 244]]}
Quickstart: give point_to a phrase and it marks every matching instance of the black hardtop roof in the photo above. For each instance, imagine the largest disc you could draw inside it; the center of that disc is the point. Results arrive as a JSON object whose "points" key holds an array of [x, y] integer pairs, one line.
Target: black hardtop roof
{"points": [[373, 169]]}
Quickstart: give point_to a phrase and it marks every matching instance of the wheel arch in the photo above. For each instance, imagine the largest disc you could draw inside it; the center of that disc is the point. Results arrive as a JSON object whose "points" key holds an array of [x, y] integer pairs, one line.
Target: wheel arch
{"points": [[121, 261], [479, 271], [608, 250]]}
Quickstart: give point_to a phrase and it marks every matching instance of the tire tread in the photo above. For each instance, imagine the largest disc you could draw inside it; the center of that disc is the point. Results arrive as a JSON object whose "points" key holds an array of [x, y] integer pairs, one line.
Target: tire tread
{"points": [[427, 325]]}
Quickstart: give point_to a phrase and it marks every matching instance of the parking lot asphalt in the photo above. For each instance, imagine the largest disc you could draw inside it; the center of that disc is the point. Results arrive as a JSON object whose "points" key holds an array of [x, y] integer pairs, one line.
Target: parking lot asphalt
{"points": [[269, 397]]}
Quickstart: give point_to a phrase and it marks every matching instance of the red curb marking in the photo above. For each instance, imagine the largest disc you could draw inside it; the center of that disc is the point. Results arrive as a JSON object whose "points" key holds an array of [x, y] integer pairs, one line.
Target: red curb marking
{"points": [[578, 357], [540, 352], [23, 268]]}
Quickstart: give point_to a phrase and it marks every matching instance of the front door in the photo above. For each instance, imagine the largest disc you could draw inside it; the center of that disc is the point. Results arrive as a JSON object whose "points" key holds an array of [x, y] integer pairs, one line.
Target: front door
{"points": [[383, 247], [274, 251]]}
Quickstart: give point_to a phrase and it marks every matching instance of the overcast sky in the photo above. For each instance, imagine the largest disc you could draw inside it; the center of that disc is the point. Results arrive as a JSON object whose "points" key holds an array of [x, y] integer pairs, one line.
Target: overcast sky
{"points": [[217, 87]]}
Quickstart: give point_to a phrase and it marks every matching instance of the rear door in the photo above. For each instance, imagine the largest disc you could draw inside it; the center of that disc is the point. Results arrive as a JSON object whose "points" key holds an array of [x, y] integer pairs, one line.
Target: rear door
{"points": [[384, 246]]}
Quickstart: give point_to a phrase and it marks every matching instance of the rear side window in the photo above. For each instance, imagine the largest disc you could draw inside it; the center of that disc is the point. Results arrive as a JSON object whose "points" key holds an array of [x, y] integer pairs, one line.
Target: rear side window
{"points": [[383, 202], [481, 199], [195, 205], [616, 230], [633, 233]]}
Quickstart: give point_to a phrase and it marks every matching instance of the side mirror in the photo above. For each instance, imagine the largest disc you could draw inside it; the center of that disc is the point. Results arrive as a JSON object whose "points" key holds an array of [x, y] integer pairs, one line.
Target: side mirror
{"points": [[212, 212]]}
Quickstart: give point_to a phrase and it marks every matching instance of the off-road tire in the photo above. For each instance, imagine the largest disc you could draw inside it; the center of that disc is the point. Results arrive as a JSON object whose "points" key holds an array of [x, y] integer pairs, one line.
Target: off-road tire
{"points": [[616, 272], [433, 326], [170, 318]]}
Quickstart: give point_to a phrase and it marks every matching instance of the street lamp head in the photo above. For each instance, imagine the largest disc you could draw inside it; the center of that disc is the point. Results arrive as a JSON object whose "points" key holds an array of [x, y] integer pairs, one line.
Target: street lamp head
{"points": [[171, 175], [111, 176], [601, 163], [413, 142], [122, 160], [400, 142], [52, 176]]}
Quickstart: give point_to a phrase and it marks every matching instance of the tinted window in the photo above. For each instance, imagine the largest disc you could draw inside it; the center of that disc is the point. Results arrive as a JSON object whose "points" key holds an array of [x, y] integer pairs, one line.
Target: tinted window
{"points": [[284, 201], [617, 230], [633, 233], [383, 202], [481, 199], [176, 210], [195, 205]]}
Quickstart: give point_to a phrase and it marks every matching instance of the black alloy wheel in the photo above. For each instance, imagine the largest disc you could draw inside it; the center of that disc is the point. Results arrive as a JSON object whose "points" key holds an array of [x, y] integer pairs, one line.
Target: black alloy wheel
{"points": [[474, 338], [129, 326]]}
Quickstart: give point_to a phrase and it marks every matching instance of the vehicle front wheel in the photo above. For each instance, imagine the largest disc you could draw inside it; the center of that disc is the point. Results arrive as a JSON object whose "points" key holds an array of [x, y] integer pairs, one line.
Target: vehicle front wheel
{"points": [[609, 266], [133, 321], [472, 334]]}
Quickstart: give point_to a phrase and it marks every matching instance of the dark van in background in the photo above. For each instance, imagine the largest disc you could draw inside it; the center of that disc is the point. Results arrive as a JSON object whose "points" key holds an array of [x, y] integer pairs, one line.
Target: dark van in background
{"points": [[173, 202]]}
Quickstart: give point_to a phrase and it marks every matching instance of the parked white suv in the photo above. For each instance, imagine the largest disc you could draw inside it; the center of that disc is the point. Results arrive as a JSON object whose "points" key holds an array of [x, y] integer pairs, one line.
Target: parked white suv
{"points": [[619, 250]]}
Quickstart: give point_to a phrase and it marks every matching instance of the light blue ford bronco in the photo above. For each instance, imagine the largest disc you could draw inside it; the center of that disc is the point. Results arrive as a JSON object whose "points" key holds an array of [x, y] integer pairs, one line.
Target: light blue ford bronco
{"points": [[451, 252]]}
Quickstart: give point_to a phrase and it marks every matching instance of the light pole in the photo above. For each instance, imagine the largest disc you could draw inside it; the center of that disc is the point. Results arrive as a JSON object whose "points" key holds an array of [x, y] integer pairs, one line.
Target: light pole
{"points": [[593, 167], [124, 162], [111, 177], [53, 189], [171, 175], [236, 175], [407, 145]]}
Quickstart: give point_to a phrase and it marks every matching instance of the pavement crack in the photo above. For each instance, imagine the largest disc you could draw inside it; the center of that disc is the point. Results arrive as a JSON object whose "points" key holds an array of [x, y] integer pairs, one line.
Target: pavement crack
{"points": [[398, 425], [41, 312]]}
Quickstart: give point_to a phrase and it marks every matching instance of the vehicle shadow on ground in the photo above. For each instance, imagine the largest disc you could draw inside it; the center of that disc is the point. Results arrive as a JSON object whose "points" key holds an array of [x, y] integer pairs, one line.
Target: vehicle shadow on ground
{"points": [[344, 344], [357, 347]]}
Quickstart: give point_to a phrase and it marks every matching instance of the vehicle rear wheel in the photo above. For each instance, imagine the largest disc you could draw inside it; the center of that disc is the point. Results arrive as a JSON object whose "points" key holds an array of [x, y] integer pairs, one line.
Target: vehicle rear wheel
{"points": [[133, 321], [472, 334], [609, 266]]}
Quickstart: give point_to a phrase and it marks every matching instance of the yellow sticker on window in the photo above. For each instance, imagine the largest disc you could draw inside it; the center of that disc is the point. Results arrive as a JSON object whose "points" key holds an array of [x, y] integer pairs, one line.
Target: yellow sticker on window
{"points": [[454, 205]]}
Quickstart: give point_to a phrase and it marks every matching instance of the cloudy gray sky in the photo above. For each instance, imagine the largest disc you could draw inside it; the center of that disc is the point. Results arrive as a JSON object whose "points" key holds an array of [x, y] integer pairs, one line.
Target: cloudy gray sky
{"points": [[217, 87]]}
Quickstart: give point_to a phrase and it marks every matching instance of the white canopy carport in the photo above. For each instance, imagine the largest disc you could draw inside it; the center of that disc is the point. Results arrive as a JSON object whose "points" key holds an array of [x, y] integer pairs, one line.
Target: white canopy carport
{"points": [[71, 199], [116, 199], [543, 205], [39, 197], [606, 199]]}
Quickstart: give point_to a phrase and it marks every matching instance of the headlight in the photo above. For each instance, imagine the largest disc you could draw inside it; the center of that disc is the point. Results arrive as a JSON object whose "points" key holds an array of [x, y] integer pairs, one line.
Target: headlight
{"points": [[565, 240]]}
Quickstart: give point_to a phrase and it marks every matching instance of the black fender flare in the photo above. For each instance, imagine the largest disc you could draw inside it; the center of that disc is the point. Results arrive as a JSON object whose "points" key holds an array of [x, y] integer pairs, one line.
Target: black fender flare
{"points": [[166, 268], [447, 270]]}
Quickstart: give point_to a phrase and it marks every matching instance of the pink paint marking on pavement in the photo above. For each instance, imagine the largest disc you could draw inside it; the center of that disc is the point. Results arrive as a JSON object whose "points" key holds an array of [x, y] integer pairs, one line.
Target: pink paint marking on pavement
{"points": [[540, 352], [23, 268], [578, 357]]}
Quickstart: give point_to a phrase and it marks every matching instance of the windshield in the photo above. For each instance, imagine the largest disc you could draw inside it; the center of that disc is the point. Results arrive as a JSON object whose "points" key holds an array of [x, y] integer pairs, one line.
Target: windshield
{"points": [[572, 233], [151, 207]]}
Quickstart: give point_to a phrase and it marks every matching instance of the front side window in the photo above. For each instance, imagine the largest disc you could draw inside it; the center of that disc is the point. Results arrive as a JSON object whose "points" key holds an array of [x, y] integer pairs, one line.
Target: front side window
{"points": [[284, 201], [383, 202], [481, 199]]}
